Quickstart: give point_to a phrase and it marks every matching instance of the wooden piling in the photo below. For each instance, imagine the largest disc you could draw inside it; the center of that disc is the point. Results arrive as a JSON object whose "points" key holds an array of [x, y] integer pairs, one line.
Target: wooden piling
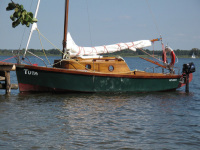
{"points": [[5, 69], [7, 82]]}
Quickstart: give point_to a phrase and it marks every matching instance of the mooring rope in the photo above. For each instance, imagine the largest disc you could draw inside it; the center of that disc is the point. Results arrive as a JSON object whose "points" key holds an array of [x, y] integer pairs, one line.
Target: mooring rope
{"points": [[8, 58]]}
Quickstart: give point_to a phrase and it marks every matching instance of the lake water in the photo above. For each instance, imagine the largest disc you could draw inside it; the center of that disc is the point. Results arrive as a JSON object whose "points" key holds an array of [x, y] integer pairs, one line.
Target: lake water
{"points": [[160, 120]]}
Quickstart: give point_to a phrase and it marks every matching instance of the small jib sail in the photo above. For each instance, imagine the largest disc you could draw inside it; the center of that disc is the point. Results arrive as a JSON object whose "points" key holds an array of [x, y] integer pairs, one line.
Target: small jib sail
{"points": [[193, 55], [76, 50]]}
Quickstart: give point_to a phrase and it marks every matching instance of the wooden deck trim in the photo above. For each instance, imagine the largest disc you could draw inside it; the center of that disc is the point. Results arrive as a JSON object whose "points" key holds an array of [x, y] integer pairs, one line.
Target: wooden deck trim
{"points": [[85, 72]]}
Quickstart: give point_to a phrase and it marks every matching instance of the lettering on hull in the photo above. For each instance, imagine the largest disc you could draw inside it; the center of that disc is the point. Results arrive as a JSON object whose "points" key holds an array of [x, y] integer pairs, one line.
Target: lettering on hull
{"points": [[31, 73], [172, 80]]}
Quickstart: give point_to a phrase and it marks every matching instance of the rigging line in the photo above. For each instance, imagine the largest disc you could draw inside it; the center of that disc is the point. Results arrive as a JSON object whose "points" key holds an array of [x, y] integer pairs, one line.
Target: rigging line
{"points": [[153, 17], [37, 57], [22, 38], [25, 28], [149, 54], [28, 60], [42, 47], [50, 42], [31, 5], [89, 23]]}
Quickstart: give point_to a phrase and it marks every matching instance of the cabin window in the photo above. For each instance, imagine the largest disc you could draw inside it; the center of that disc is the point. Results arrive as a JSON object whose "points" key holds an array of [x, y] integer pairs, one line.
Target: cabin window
{"points": [[110, 68], [88, 66]]}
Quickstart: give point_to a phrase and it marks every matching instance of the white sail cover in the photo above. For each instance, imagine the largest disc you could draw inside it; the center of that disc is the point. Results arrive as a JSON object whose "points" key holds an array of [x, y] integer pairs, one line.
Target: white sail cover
{"points": [[76, 50]]}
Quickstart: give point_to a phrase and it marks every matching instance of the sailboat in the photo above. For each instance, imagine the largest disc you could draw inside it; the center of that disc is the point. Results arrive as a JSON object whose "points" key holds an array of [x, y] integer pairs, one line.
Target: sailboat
{"points": [[193, 56], [83, 69]]}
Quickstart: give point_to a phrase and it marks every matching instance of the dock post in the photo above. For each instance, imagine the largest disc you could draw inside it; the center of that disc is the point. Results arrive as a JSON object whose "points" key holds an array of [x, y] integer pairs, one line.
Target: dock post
{"points": [[5, 69], [7, 82]]}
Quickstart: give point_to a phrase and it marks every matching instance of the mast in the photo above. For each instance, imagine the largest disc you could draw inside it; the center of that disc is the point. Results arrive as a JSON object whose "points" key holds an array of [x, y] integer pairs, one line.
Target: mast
{"points": [[65, 54]]}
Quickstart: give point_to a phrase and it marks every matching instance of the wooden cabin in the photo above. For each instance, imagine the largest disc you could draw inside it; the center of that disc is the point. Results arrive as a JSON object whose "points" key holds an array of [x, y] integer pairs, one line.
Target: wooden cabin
{"points": [[104, 65], [112, 65]]}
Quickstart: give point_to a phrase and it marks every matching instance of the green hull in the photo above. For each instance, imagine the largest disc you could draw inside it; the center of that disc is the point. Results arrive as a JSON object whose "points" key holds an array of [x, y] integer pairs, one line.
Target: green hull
{"points": [[32, 79]]}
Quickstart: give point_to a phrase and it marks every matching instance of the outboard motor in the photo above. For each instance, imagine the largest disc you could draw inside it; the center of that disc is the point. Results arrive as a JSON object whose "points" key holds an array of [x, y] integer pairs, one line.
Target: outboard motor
{"points": [[187, 69]]}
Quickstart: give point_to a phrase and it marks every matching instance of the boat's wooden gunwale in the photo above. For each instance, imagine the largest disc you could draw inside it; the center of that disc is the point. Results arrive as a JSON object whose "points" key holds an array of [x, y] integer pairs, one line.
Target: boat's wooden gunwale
{"points": [[131, 74]]}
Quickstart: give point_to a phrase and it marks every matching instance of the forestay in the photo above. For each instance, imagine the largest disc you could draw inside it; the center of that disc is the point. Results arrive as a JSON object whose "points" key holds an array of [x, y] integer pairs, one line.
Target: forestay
{"points": [[76, 50]]}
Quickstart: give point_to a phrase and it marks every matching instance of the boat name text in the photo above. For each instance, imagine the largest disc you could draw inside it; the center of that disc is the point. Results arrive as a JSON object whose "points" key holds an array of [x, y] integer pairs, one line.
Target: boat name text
{"points": [[28, 72], [172, 80]]}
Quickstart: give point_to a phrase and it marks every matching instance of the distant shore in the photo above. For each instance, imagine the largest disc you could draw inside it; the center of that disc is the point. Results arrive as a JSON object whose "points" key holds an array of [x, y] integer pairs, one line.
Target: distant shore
{"points": [[124, 53]]}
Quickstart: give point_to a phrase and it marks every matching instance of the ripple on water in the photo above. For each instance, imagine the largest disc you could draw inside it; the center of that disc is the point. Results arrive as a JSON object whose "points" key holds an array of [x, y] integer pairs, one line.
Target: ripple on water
{"points": [[158, 120]]}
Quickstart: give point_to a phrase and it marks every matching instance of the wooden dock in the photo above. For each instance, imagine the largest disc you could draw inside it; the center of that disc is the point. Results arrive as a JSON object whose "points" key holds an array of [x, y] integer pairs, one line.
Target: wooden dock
{"points": [[5, 82]]}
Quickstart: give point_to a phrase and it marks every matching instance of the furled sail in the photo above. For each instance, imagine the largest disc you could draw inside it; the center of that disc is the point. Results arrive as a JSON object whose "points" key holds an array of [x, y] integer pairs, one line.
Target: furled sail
{"points": [[76, 50]]}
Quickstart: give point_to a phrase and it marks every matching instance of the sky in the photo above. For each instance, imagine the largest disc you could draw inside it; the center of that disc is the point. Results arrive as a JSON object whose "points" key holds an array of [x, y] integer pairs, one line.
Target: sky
{"points": [[104, 22]]}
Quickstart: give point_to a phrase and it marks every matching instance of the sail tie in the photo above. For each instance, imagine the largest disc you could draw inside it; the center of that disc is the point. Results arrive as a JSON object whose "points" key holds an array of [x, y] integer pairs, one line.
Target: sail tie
{"points": [[105, 49], [119, 46], [79, 48], [83, 50], [131, 45], [127, 45], [95, 49]]}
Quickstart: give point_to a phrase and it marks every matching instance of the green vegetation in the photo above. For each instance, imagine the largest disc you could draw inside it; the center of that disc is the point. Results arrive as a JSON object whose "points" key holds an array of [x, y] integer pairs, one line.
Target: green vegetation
{"points": [[51, 52], [125, 53], [20, 15], [179, 53]]}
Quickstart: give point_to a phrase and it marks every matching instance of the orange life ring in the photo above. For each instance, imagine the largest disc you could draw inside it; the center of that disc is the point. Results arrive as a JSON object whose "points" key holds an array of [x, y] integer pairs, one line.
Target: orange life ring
{"points": [[173, 56]]}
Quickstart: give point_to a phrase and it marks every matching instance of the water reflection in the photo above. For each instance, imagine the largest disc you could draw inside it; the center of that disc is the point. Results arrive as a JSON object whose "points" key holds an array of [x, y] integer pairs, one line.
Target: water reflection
{"points": [[112, 119], [159, 120], [98, 121]]}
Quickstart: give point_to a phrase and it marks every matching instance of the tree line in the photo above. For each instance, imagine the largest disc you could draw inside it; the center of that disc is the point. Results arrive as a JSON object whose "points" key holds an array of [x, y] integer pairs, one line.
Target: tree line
{"points": [[39, 52], [55, 52], [178, 52]]}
